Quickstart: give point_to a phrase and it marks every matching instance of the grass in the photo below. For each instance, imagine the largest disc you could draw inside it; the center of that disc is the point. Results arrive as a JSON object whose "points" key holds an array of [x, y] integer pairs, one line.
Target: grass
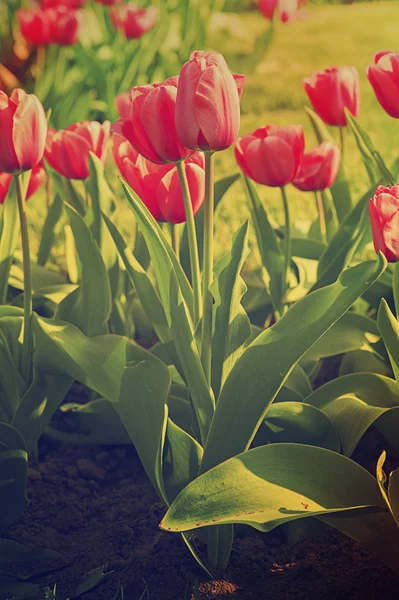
{"points": [[330, 35]]}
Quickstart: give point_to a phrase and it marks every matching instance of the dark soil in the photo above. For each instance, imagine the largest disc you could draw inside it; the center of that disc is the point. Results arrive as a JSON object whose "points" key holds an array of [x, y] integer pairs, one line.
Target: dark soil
{"points": [[96, 506]]}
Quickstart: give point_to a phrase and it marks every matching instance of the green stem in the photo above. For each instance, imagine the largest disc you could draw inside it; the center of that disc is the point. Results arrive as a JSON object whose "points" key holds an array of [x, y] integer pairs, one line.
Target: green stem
{"points": [[192, 241], [342, 140], [207, 276], [175, 239], [321, 215], [27, 336], [40, 66], [287, 241]]}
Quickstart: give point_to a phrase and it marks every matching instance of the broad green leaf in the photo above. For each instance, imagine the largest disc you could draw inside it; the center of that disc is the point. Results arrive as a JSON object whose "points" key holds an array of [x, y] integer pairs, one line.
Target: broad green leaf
{"points": [[142, 284], [262, 369], [171, 281], [306, 248], [300, 423], [13, 467], [74, 197], [344, 244], [90, 580], [15, 553], [268, 486], [270, 251], [393, 493], [389, 328], [330, 214], [132, 379], [340, 189], [363, 361], [8, 240], [41, 277], [231, 324], [355, 402], [89, 307], [54, 215]]}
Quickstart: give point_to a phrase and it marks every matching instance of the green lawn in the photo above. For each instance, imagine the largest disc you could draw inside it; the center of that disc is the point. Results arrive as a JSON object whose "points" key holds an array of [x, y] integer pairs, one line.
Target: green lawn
{"points": [[331, 35]]}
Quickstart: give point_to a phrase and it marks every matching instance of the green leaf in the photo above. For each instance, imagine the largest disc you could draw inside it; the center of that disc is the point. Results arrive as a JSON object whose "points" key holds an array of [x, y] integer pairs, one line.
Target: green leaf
{"points": [[13, 467], [265, 365], [142, 284], [275, 484], [344, 244], [89, 307], [389, 328], [172, 283], [231, 324], [8, 240], [261, 46], [17, 590], [356, 402], [306, 248], [300, 423], [13, 552], [340, 189], [271, 253], [90, 580], [12, 385], [132, 379], [54, 215]]}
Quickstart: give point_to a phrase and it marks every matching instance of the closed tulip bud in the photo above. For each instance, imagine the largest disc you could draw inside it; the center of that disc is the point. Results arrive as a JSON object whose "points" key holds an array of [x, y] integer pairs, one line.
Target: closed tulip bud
{"points": [[319, 168], [132, 20], [271, 155], [208, 103], [384, 218], [157, 185], [333, 90], [384, 77], [151, 126], [68, 150], [36, 180], [23, 127]]}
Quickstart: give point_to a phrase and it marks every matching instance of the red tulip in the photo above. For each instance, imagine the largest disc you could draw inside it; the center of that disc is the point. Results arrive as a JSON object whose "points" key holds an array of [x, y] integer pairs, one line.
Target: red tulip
{"points": [[331, 91], [70, 4], [132, 20], [68, 150], [208, 103], [23, 127], [384, 77], [158, 186], [319, 168], [37, 178], [271, 155], [109, 2], [267, 8], [52, 26], [151, 126], [123, 103], [384, 217], [289, 10]]}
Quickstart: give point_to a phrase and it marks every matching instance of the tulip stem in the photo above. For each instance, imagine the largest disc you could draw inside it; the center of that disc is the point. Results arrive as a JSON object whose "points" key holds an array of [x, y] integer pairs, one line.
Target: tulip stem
{"points": [[40, 65], [207, 276], [321, 215], [192, 241], [27, 335], [175, 239], [287, 242], [342, 139]]}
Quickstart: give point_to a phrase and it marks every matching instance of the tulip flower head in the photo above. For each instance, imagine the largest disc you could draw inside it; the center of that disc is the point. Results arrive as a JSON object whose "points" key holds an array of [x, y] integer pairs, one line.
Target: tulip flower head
{"points": [[333, 90], [132, 20], [384, 77], [271, 155], [51, 26], [68, 150], [36, 180], [109, 2], [288, 10], [69, 4], [384, 218], [208, 103], [151, 126], [319, 168], [157, 185], [23, 127], [123, 103]]}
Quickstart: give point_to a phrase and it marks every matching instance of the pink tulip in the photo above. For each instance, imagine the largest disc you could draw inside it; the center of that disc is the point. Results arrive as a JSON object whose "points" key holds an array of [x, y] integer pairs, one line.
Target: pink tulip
{"points": [[132, 20], [208, 103], [331, 91], [157, 185], [151, 126], [23, 127], [123, 103], [319, 168], [271, 155], [68, 150], [384, 77], [70, 4], [51, 26], [384, 218], [267, 8], [36, 180]]}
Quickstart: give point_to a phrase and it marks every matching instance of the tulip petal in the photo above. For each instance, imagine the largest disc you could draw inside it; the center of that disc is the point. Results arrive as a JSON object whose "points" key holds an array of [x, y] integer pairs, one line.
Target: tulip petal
{"points": [[29, 130], [8, 159], [170, 197], [186, 122]]}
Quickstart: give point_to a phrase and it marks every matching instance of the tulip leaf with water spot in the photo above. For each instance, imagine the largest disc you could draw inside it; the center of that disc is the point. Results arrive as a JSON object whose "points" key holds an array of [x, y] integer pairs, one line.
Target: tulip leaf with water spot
{"points": [[262, 369], [344, 244], [271, 253], [340, 189], [142, 283], [356, 402], [132, 379], [89, 307], [268, 486], [231, 324], [171, 279]]}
